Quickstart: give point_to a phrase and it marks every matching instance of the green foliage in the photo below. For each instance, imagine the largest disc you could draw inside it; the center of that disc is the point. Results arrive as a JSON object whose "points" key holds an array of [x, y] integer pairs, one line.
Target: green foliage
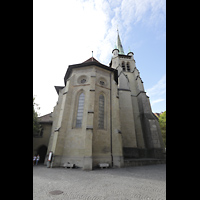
{"points": [[162, 122], [36, 125]]}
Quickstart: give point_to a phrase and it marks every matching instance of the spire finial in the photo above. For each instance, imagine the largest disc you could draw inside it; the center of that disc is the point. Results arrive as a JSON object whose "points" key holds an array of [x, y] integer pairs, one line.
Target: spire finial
{"points": [[119, 44], [92, 55]]}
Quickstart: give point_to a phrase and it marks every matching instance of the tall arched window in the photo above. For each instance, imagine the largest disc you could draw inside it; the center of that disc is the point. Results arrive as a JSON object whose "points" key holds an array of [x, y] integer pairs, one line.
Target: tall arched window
{"points": [[101, 112], [128, 67], [123, 66], [80, 109]]}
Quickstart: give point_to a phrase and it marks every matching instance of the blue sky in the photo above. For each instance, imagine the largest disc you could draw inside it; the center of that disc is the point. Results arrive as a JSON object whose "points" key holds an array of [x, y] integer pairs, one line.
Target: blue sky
{"points": [[66, 32]]}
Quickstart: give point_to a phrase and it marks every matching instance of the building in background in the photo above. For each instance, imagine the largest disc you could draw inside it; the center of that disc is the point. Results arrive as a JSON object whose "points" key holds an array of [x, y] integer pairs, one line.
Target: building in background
{"points": [[41, 139]]}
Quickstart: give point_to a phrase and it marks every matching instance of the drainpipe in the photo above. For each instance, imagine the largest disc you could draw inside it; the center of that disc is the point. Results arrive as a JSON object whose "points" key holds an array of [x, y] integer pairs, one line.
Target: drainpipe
{"points": [[111, 120]]}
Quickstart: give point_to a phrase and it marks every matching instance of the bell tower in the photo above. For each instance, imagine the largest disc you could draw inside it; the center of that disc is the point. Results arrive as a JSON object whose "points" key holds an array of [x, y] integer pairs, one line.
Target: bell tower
{"points": [[141, 135]]}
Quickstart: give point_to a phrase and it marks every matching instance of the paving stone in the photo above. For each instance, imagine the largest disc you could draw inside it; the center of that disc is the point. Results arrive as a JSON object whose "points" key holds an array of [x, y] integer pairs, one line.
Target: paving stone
{"points": [[131, 183]]}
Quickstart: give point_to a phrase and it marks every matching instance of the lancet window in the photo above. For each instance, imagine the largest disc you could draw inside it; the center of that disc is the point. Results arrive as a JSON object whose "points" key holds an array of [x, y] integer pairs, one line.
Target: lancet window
{"points": [[101, 112], [79, 116]]}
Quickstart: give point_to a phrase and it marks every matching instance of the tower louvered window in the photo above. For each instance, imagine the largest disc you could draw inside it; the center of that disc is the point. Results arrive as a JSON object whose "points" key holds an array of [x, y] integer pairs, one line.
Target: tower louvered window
{"points": [[79, 116], [128, 67], [123, 66], [101, 112]]}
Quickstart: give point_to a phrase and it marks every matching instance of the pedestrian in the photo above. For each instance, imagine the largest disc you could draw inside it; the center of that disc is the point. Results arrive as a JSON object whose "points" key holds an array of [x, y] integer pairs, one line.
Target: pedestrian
{"points": [[37, 159], [34, 158]]}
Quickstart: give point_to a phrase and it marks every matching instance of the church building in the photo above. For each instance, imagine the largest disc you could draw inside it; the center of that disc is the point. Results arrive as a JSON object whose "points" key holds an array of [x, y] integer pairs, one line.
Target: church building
{"points": [[103, 115]]}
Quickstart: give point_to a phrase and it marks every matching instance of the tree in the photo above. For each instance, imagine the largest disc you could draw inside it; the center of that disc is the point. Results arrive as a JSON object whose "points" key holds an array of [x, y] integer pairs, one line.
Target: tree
{"points": [[162, 122], [36, 125]]}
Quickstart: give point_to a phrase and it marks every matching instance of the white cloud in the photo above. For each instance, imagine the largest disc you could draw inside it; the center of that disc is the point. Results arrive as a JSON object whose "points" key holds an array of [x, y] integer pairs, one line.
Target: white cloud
{"points": [[65, 32], [82, 26], [156, 101], [158, 89], [157, 92], [130, 12]]}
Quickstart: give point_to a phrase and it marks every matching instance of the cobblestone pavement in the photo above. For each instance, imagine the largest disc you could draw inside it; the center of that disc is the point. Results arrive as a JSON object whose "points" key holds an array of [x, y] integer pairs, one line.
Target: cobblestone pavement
{"points": [[142, 182]]}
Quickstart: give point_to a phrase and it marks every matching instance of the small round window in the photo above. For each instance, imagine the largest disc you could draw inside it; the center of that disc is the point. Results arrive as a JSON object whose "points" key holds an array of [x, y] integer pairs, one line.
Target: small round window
{"points": [[102, 83], [82, 79]]}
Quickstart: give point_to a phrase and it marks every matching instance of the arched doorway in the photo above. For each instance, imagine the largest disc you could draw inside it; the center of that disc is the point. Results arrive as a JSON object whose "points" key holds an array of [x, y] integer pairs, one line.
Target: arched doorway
{"points": [[42, 150]]}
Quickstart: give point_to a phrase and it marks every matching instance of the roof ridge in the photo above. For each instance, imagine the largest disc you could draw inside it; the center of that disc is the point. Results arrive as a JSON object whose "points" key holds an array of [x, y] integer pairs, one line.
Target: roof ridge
{"points": [[92, 59]]}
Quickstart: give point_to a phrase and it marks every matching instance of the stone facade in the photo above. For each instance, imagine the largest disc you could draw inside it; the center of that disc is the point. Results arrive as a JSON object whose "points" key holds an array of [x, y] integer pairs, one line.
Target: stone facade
{"points": [[141, 134], [87, 144], [103, 115]]}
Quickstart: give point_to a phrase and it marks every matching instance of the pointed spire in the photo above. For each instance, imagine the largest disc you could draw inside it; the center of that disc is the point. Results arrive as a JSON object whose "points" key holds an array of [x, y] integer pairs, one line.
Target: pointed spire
{"points": [[119, 44]]}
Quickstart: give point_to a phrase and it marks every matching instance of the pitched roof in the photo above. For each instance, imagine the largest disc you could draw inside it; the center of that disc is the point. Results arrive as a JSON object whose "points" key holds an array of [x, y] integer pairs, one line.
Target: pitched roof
{"points": [[58, 88], [89, 62], [45, 118], [92, 59], [157, 114]]}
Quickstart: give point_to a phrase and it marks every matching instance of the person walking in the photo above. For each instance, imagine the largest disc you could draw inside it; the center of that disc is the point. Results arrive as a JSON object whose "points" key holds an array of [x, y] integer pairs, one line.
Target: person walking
{"points": [[34, 158], [37, 159]]}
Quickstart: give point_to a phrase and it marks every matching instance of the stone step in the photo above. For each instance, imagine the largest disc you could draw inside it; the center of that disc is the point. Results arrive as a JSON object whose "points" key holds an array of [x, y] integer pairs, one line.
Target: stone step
{"points": [[143, 161]]}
